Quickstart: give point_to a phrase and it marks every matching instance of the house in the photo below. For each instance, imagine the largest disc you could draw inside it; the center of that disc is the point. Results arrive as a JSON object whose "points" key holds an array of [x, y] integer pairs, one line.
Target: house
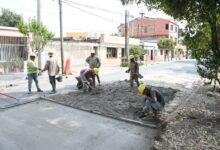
{"points": [[110, 49], [151, 28], [150, 31], [13, 49]]}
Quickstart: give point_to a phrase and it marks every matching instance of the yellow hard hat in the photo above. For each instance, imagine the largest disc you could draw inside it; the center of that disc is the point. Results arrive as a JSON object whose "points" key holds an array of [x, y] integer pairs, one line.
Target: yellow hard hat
{"points": [[131, 57], [141, 88], [50, 53], [96, 70]]}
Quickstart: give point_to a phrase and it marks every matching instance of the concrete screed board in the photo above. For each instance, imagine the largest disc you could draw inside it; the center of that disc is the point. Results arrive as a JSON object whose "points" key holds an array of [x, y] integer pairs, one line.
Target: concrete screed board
{"points": [[48, 126]]}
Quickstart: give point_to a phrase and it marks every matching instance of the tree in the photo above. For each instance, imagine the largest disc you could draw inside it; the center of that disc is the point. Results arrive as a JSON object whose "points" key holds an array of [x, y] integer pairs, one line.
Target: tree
{"points": [[137, 51], [202, 30], [38, 33], [166, 43], [195, 12], [9, 18]]}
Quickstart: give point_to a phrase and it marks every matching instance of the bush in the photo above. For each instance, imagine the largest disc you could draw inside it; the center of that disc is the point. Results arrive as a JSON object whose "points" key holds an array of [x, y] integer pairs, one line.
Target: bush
{"points": [[125, 64]]}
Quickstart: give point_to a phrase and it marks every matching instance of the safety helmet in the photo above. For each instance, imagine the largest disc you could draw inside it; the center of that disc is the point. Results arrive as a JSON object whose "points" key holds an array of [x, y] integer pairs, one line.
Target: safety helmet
{"points": [[131, 57], [92, 52], [50, 53], [141, 88], [96, 70], [32, 54]]}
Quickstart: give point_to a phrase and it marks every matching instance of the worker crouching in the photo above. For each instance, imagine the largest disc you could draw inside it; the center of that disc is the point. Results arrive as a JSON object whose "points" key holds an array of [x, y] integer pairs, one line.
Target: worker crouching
{"points": [[154, 101], [88, 78]]}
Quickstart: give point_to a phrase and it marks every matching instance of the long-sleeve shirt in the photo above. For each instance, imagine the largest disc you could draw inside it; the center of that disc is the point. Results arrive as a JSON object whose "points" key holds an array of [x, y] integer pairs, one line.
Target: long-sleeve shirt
{"points": [[133, 68], [93, 62], [154, 101], [52, 67], [87, 74]]}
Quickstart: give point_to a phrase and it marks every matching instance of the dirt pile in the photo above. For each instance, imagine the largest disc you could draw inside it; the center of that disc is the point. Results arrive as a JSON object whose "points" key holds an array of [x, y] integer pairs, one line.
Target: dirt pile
{"points": [[117, 99], [197, 125]]}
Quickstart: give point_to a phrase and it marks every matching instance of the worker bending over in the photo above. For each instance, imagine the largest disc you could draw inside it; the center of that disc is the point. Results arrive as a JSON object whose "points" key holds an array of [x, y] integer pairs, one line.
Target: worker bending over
{"points": [[88, 75], [154, 100], [94, 62]]}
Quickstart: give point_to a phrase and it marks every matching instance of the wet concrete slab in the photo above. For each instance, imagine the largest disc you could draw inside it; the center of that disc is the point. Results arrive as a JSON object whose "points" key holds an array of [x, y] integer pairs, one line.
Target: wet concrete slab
{"points": [[45, 125]]}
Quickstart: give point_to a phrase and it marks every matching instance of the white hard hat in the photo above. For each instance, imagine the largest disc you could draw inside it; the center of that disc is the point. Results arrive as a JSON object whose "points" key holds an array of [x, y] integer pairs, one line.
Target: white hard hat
{"points": [[32, 54], [92, 51]]}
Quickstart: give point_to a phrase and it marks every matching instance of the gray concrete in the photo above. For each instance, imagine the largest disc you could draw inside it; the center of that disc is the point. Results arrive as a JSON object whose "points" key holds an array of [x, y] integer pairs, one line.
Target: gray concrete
{"points": [[174, 74], [48, 126]]}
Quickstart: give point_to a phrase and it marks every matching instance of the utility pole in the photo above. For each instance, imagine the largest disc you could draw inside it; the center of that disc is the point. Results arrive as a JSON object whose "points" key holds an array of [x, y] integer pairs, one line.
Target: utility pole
{"points": [[126, 34], [61, 36], [39, 15], [142, 15]]}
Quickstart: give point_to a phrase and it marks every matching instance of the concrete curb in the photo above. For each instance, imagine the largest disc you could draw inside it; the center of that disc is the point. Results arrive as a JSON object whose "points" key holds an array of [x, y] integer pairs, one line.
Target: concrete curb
{"points": [[105, 115], [175, 112]]}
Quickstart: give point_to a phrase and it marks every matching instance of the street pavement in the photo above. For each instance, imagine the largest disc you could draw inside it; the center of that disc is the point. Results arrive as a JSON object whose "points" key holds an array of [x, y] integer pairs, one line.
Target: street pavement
{"points": [[174, 74], [45, 125], [48, 126]]}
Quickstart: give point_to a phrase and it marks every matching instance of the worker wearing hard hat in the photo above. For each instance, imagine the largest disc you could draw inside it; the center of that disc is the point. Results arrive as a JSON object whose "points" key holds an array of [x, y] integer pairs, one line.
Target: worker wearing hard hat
{"points": [[154, 100], [32, 72], [53, 69], [94, 62], [88, 75], [134, 71]]}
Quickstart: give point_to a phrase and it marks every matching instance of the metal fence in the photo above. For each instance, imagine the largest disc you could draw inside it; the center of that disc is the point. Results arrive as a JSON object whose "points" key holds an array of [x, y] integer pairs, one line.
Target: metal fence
{"points": [[13, 52]]}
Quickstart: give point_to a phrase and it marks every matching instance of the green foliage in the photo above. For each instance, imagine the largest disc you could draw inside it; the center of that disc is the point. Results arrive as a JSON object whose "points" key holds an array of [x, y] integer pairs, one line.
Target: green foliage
{"points": [[125, 64], [38, 32], [166, 43], [179, 51], [137, 51], [9, 18], [202, 31]]}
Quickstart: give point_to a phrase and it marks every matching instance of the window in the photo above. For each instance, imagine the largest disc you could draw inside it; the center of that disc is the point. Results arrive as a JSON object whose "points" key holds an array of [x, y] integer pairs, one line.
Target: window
{"points": [[167, 26], [171, 27], [111, 52], [175, 29], [145, 29], [161, 52], [171, 37]]}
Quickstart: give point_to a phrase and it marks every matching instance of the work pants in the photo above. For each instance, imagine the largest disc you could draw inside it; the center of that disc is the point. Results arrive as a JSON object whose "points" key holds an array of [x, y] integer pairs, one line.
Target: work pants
{"points": [[53, 82]]}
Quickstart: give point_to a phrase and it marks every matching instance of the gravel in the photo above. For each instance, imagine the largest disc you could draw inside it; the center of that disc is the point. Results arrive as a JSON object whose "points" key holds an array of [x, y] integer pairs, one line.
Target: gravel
{"points": [[117, 99], [197, 125]]}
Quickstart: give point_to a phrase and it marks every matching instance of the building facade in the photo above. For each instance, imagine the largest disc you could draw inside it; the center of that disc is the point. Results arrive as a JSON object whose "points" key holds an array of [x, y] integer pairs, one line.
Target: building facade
{"points": [[109, 49], [151, 29], [13, 50]]}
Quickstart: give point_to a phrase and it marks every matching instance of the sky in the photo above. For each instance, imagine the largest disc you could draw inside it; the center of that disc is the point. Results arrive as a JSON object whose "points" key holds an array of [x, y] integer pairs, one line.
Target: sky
{"points": [[99, 16]]}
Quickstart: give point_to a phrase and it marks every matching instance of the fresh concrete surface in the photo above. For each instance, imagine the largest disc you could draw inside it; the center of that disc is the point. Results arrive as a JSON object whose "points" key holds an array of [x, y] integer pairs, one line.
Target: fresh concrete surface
{"points": [[48, 126], [173, 74]]}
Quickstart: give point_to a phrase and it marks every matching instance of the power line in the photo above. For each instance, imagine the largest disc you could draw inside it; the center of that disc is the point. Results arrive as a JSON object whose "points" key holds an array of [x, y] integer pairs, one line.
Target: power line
{"points": [[93, 7], [88, 12]]}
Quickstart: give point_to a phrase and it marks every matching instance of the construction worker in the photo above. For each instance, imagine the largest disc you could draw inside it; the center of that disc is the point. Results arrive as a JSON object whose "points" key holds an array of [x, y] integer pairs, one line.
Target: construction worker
{"points": [[32, 72], [53, 69], [88, 75], [94, 62], [154, 100], [134, 71]]}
